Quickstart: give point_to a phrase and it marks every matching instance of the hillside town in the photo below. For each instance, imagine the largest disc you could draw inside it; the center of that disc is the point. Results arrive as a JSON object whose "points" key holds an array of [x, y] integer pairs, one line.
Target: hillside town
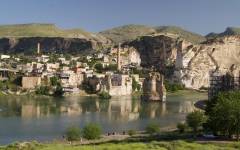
{"points": [[115, 72]]}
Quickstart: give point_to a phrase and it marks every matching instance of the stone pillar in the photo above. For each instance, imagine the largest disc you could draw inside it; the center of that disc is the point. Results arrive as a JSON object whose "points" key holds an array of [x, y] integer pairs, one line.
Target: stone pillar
{"points": [[38, 48], [119, 58]]}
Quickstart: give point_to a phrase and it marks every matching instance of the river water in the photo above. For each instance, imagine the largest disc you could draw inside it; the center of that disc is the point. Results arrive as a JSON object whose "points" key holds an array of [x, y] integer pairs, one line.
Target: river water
{"points": [[46, 118]]}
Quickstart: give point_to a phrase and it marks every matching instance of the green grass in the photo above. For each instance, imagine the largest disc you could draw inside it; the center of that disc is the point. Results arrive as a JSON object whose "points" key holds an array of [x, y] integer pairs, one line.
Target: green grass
{"points": [[173, 145], [40, 30]]}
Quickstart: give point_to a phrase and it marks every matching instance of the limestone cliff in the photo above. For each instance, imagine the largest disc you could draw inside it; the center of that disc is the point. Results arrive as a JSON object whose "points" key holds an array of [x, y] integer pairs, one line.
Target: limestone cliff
{"points": [[191, 62], [48, 44]]}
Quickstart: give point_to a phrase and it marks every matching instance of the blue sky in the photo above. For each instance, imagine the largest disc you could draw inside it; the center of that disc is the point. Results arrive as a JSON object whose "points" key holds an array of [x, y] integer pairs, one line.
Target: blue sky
{"points": [[201, 16]]}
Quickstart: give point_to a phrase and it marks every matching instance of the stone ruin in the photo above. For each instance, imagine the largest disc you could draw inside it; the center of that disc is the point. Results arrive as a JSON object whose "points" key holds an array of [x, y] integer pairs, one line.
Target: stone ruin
{"points": [[153, 87]]}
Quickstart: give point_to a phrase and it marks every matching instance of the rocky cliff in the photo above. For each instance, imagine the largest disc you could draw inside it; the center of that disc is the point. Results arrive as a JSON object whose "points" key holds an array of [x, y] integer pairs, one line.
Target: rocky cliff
{"points": [[191, 63], [28, 45], [24, 38]]}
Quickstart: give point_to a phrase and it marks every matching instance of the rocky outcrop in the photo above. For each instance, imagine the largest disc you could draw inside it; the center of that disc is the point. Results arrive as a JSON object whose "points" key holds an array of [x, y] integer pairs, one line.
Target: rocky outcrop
{"points": [[191, 62], [156, 51], [48, 44]]}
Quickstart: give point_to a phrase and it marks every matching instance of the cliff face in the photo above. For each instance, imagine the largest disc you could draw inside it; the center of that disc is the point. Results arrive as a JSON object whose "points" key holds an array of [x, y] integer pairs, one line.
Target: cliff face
{"points": [[48, 44], [155, 51], [191, 62]]}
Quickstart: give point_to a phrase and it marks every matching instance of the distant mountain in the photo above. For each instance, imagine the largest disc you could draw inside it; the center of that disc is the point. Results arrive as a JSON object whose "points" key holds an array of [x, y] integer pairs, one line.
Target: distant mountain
{"points": [[229, 31], [128, 33]]}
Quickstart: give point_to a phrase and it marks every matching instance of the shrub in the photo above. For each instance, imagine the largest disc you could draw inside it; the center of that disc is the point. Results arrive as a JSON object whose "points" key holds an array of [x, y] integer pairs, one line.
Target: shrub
{"points": [[73, 133], [42, 90], [195, 120], [173, 87], [59, 91], [131, 132], [181, 127], [152, 128], [104, 95], [99, 67], [54, 81], [92, 131]]}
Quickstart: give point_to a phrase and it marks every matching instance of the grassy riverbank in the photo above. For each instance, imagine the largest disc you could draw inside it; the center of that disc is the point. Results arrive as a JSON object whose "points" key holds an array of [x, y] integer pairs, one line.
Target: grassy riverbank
{"points": [[154, 145]]}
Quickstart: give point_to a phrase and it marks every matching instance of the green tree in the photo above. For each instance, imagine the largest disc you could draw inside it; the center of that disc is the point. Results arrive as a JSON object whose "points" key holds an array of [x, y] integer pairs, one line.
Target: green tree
{"points": [[195, 120], [152, 128], [73, 133], [223, 113], [92, 131], [99, 67]]}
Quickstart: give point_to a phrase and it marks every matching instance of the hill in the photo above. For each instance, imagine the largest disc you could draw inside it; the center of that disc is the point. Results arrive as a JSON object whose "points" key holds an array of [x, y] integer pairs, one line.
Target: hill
{"points": [[42, 30], [187, 35], [229, 31], [127, 33], [130, 32]]}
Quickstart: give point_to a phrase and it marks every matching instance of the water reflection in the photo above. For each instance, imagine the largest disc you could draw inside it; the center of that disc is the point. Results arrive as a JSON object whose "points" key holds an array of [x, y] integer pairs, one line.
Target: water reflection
{"points": [[116, 109]]}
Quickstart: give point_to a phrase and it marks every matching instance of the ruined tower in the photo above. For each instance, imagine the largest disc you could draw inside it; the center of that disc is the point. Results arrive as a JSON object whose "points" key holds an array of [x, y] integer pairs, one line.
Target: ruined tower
{"points": [[153, 87]]}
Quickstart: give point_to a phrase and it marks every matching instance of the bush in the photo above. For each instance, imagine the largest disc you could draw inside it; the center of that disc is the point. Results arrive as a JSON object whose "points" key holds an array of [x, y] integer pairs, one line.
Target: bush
{"points": [[92, 131], [181, 127], [54, 81], [73, 133], [59, 91], [135, 85], [104, 95], [152, 128], [173, 87], [99, 68], [131, 132], [42, 90], [195, 120]]}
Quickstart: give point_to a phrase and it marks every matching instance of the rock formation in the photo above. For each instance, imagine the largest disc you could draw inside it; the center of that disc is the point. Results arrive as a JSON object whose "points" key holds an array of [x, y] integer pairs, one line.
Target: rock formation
{"points": [[48, 44], [191, 63], [153, 87]]}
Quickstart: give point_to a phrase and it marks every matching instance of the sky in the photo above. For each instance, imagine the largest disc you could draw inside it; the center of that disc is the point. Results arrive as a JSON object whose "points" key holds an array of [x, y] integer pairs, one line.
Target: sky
{"points": [[200, 16]]}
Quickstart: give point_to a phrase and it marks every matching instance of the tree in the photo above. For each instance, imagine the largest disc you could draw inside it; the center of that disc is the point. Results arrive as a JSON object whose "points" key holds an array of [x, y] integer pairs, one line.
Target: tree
{"points": [[223, 113], [99, 67], [73, 133], [92, 131], [152, 128], [195, 120]]}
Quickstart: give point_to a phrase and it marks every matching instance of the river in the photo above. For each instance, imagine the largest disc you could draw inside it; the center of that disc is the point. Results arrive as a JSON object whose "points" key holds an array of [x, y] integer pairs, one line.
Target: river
{"points": [[46, 118]]}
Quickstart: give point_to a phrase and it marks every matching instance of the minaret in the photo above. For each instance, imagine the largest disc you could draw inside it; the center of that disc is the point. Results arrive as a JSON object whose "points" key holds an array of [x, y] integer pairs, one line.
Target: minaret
{"points": [[119, 57], [38, 48]]}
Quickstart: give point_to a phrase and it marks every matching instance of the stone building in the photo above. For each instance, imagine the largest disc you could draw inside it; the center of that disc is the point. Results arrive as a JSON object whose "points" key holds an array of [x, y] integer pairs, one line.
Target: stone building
{"points": [[31, 82], [153, 87], [117, 84]]}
